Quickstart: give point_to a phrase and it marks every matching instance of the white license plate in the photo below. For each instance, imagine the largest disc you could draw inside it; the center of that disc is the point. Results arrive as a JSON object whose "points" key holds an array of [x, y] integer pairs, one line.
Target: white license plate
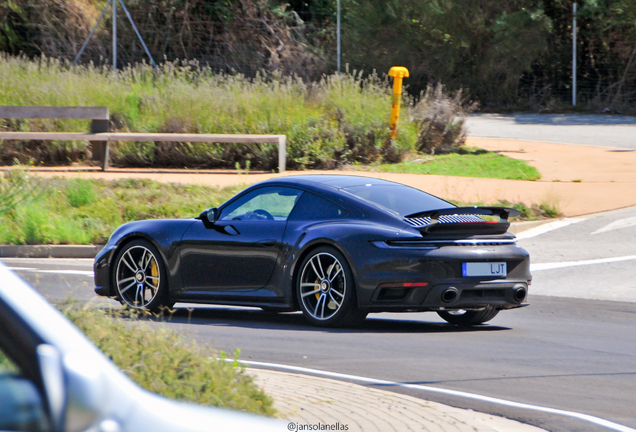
{"points": [[484, 269]]}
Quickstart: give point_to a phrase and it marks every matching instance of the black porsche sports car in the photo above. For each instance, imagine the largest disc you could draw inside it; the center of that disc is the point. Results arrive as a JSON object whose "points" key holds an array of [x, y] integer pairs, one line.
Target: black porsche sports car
{"points": [[335, 247]]}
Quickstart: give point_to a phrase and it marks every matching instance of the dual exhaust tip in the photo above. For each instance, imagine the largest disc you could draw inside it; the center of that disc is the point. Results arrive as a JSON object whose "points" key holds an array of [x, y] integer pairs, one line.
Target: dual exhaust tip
{"points": [[450, 294], [519, 293]]}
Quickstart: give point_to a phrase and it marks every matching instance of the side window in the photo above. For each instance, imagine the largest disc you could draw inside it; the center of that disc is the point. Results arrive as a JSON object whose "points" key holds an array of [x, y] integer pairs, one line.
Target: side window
{"points": [[312, 207], [268, 203]]}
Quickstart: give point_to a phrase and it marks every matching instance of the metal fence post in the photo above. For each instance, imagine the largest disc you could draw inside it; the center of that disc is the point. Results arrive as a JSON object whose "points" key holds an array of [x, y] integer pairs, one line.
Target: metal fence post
{"points": [[574, 54], [114, 35], [338, 42], [282, 152], [100, 148]]}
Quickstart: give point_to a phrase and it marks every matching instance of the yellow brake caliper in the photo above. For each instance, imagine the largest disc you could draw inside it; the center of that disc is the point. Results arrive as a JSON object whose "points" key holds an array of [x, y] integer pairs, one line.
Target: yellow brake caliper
{"points": [[154, 272]]}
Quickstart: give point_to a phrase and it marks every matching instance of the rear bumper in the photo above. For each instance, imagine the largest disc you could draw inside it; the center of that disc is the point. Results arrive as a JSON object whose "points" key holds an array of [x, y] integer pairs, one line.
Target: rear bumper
{"points": [[449, 295], [418, 278]]}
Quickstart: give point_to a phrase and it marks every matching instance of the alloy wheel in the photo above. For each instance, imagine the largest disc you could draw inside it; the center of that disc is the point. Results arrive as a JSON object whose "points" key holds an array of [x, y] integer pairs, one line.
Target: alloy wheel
{"points": [[137, 277], [323, 286]]}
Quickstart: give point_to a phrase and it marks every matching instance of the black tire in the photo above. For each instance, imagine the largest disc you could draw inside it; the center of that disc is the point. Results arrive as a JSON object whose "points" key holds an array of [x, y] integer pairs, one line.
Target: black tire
{"points": [[469, 317], [140, 278], [326, 290]]}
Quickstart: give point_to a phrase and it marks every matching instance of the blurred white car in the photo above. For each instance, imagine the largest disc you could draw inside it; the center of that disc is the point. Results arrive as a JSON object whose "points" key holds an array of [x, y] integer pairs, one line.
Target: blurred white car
{"points": [[58, 381]]}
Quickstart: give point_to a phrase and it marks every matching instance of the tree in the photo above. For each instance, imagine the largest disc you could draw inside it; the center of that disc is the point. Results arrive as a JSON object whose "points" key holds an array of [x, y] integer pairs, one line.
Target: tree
{"points": [[484, 46]]}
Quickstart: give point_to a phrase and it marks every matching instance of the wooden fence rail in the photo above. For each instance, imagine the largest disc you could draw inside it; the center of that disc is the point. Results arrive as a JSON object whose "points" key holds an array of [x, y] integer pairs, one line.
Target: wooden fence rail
{"points": [[99, 135]]}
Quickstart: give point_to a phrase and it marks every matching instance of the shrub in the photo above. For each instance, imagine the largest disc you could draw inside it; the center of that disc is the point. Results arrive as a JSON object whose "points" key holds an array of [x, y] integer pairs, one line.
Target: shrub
{"points": [[184, 372], [441, 120], [533, 212], [17, 187], [342, 118]]}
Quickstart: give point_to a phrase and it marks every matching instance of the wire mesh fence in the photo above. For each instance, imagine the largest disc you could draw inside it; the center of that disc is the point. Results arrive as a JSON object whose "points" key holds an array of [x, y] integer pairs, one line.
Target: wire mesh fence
{"points": [[600, 89], [294, 38], [247, 39]]}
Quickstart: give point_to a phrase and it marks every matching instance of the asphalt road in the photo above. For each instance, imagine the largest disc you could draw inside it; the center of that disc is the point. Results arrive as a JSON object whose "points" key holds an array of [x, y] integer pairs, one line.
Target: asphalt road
{"points": [[587, 129], [604, 236], [576, 354]]}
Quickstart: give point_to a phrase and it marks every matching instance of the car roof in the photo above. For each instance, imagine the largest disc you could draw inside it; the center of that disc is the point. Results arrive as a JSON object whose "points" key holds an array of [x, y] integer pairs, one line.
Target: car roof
{"points": [[337, 181], [338, 189]]}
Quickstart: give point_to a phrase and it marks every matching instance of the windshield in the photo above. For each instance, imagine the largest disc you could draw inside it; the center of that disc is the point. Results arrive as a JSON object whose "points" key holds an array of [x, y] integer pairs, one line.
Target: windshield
{"points": [[399, 199]]}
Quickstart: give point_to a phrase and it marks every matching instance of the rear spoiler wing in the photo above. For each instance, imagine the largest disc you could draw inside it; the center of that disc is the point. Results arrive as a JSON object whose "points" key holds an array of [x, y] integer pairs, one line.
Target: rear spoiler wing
{"points": [[467, 228], [503, 212]]}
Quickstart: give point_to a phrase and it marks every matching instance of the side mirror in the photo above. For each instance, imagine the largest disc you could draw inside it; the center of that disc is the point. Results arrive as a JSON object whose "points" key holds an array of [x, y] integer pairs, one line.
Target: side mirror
{"points": [[213, 215], [209, 216]]}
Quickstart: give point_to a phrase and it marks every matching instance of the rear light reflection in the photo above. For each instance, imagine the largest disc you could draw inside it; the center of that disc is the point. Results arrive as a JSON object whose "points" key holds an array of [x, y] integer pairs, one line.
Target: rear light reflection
{"points": [[405, 285]]}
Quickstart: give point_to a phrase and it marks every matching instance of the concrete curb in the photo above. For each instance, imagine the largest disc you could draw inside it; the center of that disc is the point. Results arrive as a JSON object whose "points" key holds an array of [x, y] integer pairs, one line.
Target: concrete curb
{"points": [[81, 251], [519, 227], [49, 251]]}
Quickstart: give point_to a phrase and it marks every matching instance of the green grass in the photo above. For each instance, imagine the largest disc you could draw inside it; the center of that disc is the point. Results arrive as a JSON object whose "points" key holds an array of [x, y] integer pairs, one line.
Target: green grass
{"points": [[488, 165], [326, 123], [184, 372], [87, 211], [342, 119], [80, 192]]}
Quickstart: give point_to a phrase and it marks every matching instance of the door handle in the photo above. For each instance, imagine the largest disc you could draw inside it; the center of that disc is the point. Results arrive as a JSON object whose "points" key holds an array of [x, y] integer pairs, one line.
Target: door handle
{"points": [[267, 243]]}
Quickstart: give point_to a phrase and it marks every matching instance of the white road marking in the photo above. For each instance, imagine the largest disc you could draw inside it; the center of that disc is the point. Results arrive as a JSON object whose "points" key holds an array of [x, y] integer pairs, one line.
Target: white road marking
{"points": [[60, 261], [621, 223], [548, 227], [584, 417], [69, 272], [556, 265]]}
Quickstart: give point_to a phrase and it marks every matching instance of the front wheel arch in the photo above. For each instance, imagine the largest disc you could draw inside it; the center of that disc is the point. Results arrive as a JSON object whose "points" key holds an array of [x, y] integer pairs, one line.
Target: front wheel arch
{"points": [[121, 245], [140, 240]]}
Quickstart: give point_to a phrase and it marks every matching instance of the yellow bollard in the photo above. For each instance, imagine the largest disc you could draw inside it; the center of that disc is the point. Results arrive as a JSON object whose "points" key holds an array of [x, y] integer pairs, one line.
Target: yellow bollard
{"points": [[397, 72]]}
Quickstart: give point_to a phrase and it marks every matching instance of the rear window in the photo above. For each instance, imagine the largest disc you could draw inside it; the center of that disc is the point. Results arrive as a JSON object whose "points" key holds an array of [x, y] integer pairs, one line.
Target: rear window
{"points": [[403, 200], [311, 207]]}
